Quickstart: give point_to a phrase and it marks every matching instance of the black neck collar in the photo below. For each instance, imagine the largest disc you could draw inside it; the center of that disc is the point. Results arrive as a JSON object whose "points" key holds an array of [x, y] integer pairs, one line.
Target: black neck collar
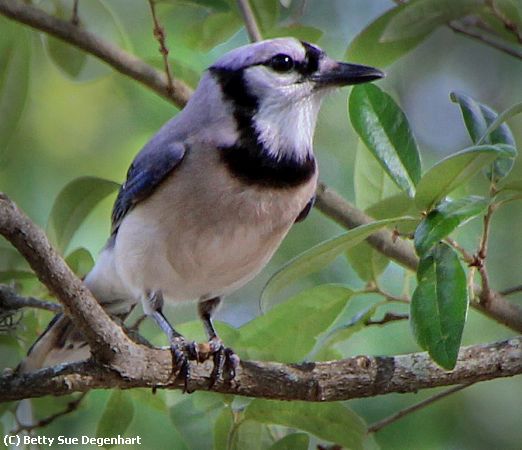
{"points": [[248, 159]]}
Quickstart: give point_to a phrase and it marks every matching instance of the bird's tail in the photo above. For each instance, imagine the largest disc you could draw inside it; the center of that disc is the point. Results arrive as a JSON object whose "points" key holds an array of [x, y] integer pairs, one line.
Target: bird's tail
{"points": [[62, 342]]}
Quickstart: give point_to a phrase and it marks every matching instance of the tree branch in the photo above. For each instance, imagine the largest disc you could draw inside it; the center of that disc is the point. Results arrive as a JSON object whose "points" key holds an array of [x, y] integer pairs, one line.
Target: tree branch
{"points": [[328, 201], [401, 251], [105, 337], [362, 376], [124, 364], [119, 59]]}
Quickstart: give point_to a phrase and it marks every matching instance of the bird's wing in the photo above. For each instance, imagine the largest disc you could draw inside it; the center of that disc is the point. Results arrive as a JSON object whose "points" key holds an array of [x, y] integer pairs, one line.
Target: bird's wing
{"points": [[150, 167]]}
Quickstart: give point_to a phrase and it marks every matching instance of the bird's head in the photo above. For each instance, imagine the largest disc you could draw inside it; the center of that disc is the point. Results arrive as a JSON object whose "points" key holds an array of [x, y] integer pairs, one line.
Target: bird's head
{"points": [[285, 70], [274, 89]]}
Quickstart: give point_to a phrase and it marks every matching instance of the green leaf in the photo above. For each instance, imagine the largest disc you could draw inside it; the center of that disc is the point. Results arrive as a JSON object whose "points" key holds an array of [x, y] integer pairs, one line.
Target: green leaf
{"points": [[218, 5], [97, 17], [385, 131], [321, 255], [65, 56], [329, 421], [455, 170], [117, 415], [292, 327], [301, 32], [370, 181], [511, 9], [369, 48], [497, 132], [222, 427], [15, 57], [439, 305], [514, 185], [447, 216], [478, 117], [250, 435], [13, 265], [194, 416], [423, 16], [154, 401], [397, 205], [266, 13], [294, 441], [367, 262], [73, 204], [501, 118], [343, 331], [6, 406], [80, 261], [214, 29]]}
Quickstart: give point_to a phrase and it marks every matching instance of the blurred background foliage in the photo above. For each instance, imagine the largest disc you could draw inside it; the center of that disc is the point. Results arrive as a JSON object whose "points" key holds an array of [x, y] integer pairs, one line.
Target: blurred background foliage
{"points": [[65, 115]]}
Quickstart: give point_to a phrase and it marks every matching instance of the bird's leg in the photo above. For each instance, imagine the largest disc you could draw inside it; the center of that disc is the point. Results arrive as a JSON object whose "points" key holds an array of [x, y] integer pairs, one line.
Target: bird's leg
{"points": [[225, 360], [182, 350]]}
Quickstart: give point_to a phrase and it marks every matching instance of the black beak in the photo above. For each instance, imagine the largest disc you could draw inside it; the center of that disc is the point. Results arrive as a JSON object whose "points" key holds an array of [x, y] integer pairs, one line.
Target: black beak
{"points": [[344, 74]]}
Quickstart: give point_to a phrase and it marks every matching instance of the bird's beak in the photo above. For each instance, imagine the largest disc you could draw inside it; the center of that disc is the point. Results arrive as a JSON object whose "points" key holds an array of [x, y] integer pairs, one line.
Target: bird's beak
{"points": [[338, 74]]}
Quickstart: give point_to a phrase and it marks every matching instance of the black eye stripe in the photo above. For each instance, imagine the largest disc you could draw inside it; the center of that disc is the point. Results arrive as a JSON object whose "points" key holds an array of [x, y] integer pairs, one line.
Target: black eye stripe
{"points": [[313, 56]]}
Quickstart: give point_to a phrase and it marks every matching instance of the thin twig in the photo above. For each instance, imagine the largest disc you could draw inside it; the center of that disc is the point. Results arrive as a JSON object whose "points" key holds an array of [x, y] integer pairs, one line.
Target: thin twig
{"points": [[483, 248], [487, 39], [75, 18], [506, 21], [9, 321], [482, 254], [9, 299], [377, 426], [250, 21], [511, 290], [468, 257], [159, 34], [376, 289], [136, 325], [70, 407], [117, 58], [388, 317], [459, 26]]}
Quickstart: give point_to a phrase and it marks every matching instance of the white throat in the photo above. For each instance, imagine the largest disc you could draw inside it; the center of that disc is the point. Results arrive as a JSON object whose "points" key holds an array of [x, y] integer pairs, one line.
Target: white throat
{"points": [[286, 129]]}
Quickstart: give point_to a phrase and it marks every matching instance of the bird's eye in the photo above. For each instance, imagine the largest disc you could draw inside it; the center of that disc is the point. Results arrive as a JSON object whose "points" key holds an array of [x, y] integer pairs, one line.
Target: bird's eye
{"points": [[281, 63]]}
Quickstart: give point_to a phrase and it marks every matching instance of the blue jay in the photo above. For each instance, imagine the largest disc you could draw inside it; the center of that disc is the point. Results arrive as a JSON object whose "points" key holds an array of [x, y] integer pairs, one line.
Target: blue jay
{"points": [[209, 199]]}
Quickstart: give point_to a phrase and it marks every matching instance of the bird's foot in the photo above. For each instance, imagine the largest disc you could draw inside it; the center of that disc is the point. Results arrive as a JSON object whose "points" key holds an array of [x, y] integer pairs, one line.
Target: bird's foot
{"points": [[225, 361], [182, 352]]}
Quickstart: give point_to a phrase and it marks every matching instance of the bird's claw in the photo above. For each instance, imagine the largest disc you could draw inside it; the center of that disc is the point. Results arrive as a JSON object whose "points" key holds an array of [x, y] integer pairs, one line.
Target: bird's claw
{"points": [[225, 362], [182, 352]]}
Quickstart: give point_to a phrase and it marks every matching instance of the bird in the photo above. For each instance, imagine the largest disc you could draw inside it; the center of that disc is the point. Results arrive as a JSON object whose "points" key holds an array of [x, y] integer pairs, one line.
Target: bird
{"points": [[210, 197]]}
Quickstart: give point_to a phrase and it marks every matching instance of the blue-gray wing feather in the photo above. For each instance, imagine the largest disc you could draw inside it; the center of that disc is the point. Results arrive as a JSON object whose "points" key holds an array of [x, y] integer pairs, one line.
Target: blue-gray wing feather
{"points": [[150, 167]]}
